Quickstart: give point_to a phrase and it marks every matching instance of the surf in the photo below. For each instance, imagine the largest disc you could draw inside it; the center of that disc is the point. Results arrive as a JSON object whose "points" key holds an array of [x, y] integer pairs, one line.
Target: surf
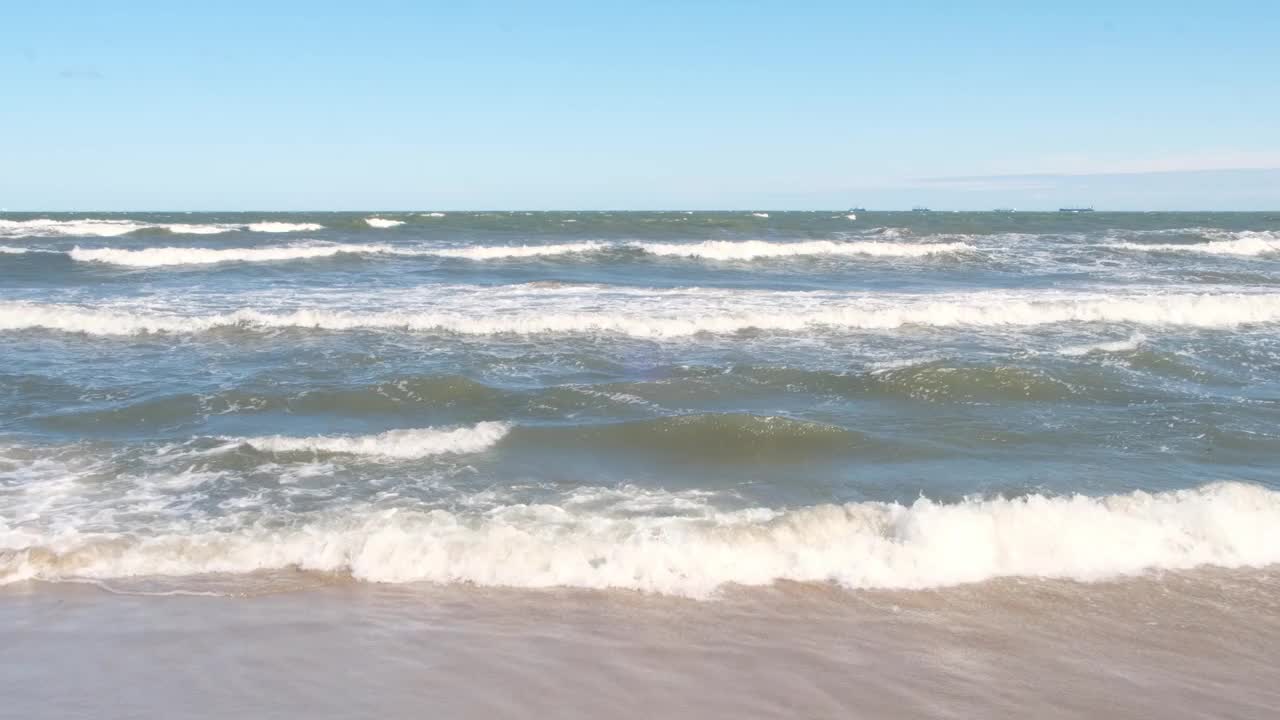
{"points": [[700, 550]]}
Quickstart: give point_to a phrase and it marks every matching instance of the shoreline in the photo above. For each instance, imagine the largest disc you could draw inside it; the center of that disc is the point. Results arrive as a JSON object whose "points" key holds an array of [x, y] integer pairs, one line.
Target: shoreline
{"points": [[1175, 645]]}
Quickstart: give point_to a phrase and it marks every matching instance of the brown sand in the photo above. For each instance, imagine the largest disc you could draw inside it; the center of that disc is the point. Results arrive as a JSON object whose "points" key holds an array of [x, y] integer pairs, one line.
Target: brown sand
{"points": [[1192, 645]]}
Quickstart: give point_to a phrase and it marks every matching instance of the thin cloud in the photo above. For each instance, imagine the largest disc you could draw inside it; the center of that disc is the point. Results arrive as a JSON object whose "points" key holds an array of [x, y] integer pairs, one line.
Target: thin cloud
{"points": [[1077, 166], [984, 184], [1045, 179], [79, 74]]}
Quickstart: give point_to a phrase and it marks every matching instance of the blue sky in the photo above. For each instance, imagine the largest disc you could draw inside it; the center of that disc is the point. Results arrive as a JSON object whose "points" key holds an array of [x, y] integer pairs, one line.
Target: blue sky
{"points": [[592, 105]]}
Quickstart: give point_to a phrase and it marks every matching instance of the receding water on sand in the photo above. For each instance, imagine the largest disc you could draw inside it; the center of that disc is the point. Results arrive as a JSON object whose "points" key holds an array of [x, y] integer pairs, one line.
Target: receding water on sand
{"points": [[1179, 645]]}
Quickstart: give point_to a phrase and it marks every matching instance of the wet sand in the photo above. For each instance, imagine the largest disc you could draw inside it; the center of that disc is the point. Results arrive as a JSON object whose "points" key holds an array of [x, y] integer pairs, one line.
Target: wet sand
{"points": [[1203, 644]]}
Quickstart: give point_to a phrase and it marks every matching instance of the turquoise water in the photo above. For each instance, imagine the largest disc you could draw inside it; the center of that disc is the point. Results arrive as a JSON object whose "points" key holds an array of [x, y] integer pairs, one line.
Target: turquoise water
{"points": [[660, 401]]}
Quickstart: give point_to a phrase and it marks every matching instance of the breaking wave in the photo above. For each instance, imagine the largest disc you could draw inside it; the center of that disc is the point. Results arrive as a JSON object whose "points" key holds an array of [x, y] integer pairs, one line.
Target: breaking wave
{"points": [[1114, 346], [689, 316], [710, 250], [697, 550], [171, 256], [393, 444], [756, 249], [283, 227], [497, 252], [1243, 244], [89, 227], [382, 223], [168, 256], [61, 228]]}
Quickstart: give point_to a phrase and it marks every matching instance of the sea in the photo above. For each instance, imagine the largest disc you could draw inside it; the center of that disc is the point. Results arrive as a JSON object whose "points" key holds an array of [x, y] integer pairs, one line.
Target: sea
{"points": [[640, 464]]}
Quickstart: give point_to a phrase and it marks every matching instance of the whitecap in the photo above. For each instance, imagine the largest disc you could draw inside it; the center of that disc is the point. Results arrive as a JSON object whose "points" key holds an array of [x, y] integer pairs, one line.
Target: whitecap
{"points": [[394, 444], [694, 550]]}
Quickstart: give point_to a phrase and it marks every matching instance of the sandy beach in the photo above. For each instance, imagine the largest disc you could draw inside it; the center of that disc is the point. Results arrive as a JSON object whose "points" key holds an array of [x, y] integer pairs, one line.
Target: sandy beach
{"points": [[1191, 645]]}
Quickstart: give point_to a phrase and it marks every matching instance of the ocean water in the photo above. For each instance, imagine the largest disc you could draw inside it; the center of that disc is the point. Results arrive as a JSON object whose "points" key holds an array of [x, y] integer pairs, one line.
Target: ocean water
{"points": [[641, 418]]}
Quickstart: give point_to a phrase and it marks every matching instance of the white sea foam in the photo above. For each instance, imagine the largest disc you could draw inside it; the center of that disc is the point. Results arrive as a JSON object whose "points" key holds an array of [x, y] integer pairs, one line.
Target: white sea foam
{"points": [[498, 252], [1114, 346], [44, 227], [1244, 244], [382, 223], [669, 314], [890, 233], [283, 227], [194, 229], [760, 214], [698, 551], [711, 250], [168, 256], [755, 249], [93, 227], [393, 444], [433, 214], [7, 250]]}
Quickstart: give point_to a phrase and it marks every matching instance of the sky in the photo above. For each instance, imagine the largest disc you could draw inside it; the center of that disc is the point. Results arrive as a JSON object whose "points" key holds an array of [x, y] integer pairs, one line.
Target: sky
{"points": [[638, 105]]}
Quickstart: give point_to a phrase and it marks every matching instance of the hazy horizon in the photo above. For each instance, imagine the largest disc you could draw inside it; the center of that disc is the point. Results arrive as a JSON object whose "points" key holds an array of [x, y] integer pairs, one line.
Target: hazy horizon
{"points": [[1246, 190]]}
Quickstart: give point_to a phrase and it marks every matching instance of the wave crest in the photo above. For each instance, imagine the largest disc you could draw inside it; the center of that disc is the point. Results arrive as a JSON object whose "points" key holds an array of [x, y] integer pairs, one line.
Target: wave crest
{"points": [[498, 252], [859, 545], [710, 250], [92, 227], [394, 444], [1243, 244], [170, 256], [173, 256], [44, 227], [650, 320], [757, 249], [283, 227]]}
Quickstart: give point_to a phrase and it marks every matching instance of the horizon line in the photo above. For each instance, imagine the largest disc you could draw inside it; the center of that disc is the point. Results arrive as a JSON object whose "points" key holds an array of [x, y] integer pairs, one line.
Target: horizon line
{"points": [[920, 211]]}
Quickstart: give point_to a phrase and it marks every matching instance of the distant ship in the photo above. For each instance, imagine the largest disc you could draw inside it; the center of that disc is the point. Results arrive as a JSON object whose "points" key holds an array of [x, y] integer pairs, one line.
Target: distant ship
{"points": [[1075, 209], [920, 209], [1004, 210]]}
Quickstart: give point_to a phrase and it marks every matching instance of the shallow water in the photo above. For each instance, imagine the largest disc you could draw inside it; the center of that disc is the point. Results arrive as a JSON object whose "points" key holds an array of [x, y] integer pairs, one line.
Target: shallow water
{"points": [[1193, 645]]}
